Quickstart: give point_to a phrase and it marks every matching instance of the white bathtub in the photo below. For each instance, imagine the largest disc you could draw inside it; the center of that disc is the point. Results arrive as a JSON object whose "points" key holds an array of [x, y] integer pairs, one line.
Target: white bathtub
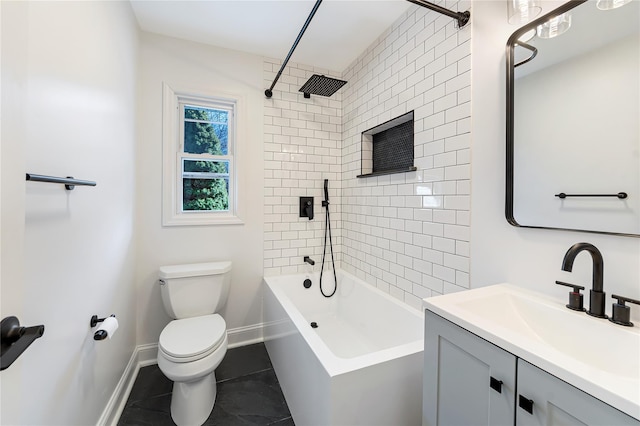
{"points": [[362, 365]]}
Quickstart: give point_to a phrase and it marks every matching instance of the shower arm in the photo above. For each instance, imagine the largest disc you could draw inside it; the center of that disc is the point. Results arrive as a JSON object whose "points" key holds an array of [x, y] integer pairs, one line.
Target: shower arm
{"points": [[461, 17]]}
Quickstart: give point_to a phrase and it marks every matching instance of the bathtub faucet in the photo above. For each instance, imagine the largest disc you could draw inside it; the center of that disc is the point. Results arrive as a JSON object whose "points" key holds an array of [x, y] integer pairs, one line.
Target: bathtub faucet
{"points": [[309, 260]]}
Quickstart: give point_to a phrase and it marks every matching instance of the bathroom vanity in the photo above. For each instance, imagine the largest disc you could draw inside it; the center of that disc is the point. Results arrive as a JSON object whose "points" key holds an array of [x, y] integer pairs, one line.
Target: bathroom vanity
{"points": [[502, 355]]}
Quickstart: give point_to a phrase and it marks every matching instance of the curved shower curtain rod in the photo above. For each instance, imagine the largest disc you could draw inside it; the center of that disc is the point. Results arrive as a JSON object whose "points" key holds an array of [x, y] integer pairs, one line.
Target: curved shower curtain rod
{"points": [[461, 17]]}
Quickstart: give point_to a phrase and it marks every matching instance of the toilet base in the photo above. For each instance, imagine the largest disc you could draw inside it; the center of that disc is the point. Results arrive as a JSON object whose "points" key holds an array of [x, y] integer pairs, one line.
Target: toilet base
{"points": [[192, 402]]}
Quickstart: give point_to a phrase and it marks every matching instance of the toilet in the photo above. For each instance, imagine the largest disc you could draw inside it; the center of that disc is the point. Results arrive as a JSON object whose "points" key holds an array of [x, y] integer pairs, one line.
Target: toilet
{"points": [[195, 342]]}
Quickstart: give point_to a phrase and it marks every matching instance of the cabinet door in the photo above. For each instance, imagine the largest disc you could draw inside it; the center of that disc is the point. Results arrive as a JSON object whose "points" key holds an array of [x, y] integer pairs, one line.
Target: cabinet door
{"points": [[555, 402], [467, 380]]}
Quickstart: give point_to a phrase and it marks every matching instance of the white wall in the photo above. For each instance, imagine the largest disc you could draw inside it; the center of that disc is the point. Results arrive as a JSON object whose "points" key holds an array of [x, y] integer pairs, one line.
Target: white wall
{"points": [[68, 105], [584, 150], [500, 252], [303, 141], [197, 68], [12, 190], [408, 233]]}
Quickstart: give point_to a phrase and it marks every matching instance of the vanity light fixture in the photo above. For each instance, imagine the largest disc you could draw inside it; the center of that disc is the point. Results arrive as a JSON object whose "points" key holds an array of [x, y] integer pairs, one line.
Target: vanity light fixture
{"points": [[519, 12], [610, 4], [555, 26]]}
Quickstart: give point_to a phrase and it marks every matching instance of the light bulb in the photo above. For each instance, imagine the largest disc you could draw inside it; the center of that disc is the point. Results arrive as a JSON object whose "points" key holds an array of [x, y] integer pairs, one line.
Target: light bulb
{"points": [[522, 11], [610, 4], [555, 26]]}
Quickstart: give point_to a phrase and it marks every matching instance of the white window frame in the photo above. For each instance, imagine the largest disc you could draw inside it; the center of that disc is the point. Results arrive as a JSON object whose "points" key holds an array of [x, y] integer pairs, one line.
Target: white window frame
{"points": [[173, 156]]}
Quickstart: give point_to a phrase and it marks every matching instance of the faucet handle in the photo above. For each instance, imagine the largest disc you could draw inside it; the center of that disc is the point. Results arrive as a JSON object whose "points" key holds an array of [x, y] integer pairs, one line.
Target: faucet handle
{"points": [[576, 299], [621, 313]]}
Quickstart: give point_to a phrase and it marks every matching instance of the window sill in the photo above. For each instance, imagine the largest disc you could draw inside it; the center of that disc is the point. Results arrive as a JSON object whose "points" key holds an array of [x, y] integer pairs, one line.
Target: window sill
{"points": [[202, 221], [389, 172]]}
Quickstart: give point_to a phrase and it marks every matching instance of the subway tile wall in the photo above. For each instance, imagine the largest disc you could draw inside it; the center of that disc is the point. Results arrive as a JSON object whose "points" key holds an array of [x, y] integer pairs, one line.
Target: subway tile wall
{"points": [[303, 146], [408, 233]]}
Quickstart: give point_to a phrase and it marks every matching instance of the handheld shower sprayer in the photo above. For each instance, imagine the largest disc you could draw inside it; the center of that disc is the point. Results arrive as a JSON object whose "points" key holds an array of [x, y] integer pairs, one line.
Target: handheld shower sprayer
{"points": [[325, 203], [327, 232]]}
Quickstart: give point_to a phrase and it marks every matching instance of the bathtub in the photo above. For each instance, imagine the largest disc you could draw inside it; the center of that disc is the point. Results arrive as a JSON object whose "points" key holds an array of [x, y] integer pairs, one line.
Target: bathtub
{"points": [[362, 365]]}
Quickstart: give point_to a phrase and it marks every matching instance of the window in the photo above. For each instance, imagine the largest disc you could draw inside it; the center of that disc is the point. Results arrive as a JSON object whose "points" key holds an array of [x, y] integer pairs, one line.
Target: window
{"points": [[199, 165]]}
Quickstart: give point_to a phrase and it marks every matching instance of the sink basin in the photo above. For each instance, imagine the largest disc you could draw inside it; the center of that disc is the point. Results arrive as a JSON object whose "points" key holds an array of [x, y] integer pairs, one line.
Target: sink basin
{"points": [[597, 343], [593, 354]]}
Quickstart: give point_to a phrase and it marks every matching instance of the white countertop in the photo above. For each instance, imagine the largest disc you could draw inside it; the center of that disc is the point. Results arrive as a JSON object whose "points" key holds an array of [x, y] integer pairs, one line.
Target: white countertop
{"points": [[595, 355]]}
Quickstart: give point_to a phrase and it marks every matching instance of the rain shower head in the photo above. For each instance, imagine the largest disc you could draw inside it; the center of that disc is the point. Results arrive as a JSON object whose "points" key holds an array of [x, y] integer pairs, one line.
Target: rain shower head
{"points": [[321, 85]]}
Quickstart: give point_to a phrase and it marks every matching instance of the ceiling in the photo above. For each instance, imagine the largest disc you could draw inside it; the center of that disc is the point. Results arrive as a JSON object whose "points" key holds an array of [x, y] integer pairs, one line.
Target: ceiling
{"points": [[339, 32]]}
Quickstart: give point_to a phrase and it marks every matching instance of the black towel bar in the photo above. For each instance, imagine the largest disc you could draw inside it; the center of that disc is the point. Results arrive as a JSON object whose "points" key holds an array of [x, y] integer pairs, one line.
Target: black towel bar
{"points": [[621, 195], [69, 182]]}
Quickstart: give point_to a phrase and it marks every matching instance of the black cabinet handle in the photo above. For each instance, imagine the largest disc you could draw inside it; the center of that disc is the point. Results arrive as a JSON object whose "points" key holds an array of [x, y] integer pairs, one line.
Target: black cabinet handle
{"points": [[526, 404], [495, 384]]}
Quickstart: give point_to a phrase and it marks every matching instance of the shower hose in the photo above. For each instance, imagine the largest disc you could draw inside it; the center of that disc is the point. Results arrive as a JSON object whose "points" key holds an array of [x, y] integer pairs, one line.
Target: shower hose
{"points": [[327, 231]]}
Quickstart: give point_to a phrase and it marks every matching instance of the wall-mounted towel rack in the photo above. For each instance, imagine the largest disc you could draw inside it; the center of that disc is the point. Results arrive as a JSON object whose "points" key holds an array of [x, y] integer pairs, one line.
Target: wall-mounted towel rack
{"points": [[69, 182], [621, 195]]}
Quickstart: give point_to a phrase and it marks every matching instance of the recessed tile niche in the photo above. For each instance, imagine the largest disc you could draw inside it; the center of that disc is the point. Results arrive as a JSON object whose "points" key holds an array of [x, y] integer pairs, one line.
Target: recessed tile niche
{"points": [[388, 147]]}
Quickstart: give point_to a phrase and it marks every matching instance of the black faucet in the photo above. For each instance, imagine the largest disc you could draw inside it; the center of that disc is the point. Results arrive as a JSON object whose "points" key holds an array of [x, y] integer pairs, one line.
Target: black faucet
{"points": [[309, 260], [597, 295]]}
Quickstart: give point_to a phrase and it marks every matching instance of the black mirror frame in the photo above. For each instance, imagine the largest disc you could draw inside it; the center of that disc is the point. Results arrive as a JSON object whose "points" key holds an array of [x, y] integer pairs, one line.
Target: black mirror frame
{"points": [[510, 80]]}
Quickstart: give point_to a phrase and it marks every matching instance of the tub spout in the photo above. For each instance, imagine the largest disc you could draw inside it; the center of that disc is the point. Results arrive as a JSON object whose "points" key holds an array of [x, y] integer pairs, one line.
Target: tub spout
{"points": [[309, 260]]}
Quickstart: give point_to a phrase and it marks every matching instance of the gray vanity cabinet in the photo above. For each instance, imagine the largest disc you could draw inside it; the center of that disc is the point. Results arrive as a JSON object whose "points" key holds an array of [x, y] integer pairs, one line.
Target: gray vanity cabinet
{"points": [[458, 372], [556, 402], [470, 381]]}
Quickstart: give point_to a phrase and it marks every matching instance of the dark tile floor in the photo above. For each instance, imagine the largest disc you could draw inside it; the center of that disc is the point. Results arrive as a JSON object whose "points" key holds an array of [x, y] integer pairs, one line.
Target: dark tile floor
{"points": [[248, 393]]}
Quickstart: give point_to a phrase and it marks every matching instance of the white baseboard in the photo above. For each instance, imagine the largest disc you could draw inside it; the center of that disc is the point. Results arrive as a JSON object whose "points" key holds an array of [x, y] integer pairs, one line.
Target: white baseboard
{"points": [[147, 354], [144, 355], [115, 405], [243, 336]]}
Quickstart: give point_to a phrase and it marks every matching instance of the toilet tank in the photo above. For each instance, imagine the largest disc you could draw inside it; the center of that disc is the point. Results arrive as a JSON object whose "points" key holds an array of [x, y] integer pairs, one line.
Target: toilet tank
{"points": [[194, 289]]}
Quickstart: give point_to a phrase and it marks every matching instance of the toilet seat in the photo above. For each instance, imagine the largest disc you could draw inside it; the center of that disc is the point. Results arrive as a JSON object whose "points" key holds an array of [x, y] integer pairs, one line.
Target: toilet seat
{"points": [[191, 339]]}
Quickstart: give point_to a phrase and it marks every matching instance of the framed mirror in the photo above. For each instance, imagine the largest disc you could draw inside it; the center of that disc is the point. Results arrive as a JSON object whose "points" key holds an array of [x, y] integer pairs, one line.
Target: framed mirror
{"points": [[573, 120]]}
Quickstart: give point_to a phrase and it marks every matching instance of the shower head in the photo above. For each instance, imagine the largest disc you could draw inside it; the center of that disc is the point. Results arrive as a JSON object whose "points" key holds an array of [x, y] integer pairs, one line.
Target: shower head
{"points": [[321, 85]]}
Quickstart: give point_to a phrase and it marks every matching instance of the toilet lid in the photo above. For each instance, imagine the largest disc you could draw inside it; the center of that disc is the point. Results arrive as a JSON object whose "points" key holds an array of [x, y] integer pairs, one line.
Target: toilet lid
{"points": [[189, 337]]}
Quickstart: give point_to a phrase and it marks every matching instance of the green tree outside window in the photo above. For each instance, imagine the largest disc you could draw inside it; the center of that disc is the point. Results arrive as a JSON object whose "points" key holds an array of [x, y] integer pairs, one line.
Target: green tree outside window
{"points": [[206, 132]]}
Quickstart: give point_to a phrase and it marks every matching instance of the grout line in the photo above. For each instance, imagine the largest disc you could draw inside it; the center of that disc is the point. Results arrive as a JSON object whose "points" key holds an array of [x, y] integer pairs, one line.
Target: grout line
{"points": [[244, 375]]}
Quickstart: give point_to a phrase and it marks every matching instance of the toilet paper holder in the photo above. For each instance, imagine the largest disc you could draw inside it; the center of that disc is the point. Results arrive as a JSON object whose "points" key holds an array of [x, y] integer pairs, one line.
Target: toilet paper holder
{"points": [[100, 334]]}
